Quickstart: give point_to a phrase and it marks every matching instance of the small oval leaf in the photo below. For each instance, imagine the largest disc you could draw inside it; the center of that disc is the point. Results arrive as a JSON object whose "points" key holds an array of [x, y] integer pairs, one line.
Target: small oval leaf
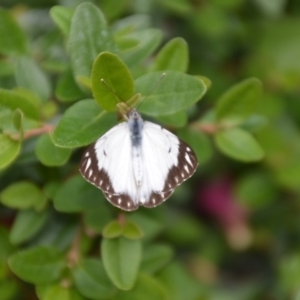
{"points": [[121, 258], [173, 56], [9, 150], [239, 144], [92, 281], [82, 124], [89, 35], [176, 92], [38, 265], [49, 154], [239, 102], [113, 71]]}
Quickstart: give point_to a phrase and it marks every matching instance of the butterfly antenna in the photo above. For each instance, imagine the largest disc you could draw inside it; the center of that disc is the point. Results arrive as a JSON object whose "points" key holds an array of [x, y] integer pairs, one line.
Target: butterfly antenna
{"points": [[153, 88], [103, 81]]}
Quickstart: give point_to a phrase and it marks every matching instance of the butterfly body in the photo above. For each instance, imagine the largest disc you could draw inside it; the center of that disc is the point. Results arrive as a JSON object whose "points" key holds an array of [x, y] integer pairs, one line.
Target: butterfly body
{"points": [[138, 163]]}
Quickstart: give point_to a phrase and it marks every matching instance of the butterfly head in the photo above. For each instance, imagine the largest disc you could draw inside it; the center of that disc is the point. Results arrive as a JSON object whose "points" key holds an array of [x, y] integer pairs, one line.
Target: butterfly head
{"points": [[134, 115]]}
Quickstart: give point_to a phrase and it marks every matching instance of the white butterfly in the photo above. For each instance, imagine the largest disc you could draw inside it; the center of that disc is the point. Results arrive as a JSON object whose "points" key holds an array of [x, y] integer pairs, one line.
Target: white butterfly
{"points": [[138, 163]]}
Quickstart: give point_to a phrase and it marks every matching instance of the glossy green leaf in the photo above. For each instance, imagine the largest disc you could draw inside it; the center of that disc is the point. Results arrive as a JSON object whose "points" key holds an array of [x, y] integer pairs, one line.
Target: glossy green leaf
{"points": [[49, 154], [175, 92], [82, 124], [29, 76], [89, 35], [149, 39], [27, 224], [38, 265], [155, 257], [199, 142], [239, 144], [9, 150], [240, 101], [121, 259], [21, 195], [14, 100], [146, 288], [62, 17], [173, 56], [77, 195], [113, 71], [112, 230], [92, 281], [13, 40], [176, 120], [67, 90]]}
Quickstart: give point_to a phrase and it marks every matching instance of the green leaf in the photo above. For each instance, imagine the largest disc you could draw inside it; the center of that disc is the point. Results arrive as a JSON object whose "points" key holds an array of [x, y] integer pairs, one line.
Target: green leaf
{"points": [[239, 102], [77, 195], [176, 120], [92, 281], [38, 265], [29, 76], [150, 226], [14, 100], [27, 224], [57, 292], [180, 284], [9, 289], [21, 195], [97, 218], [173, 56], [130, 24], [9, 150], [13, 40], [146, 288], [121, 258], [132, 231], [89, 35], [149, 39], [67, 90], [255, 190], [82, 124], [6, 247], [18, 120], [116, 75], [112, 230], [62, 17], [239, 144], [155, 257], [49, 154], [199, 142], [175, 92]]}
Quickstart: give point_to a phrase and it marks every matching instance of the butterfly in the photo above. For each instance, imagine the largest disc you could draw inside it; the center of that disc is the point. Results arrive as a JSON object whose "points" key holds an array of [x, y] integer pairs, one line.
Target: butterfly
{"points": [[137, 163]]}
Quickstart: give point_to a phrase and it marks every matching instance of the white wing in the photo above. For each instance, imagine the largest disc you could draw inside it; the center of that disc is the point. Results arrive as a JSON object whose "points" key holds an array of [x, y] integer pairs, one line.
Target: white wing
{"points": [[107, 164], [168, 162]]}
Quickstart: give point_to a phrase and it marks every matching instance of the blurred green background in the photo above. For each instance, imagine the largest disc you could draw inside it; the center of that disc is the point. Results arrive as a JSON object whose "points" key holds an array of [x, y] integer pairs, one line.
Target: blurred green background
{"points": [[235, 229]]}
